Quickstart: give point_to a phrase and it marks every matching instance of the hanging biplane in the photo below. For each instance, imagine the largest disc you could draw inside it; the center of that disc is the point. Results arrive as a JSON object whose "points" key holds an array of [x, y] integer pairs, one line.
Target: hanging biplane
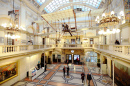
{"points": [[62, 15]]}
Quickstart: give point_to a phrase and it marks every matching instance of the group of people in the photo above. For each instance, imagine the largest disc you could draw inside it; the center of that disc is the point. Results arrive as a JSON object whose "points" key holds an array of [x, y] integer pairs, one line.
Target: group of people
{"points": [[88, 77], [64, 70]]}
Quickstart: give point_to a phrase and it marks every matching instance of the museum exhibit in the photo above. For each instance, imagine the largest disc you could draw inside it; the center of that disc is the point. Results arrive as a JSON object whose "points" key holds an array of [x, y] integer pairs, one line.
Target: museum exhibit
{"points": [[64, 42]]}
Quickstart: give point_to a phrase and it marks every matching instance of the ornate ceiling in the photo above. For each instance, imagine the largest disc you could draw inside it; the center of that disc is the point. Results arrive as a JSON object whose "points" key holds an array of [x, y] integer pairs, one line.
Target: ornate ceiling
{"points": [[57, 5]]}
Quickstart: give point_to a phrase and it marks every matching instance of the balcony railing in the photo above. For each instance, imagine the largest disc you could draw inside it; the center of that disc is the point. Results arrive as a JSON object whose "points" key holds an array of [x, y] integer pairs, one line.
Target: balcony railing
{"points": [[123, 49]]}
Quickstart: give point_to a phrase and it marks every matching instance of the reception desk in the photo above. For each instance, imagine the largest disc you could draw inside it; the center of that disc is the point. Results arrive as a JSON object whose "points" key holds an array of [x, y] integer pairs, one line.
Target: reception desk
{"points": [[35, 73]]}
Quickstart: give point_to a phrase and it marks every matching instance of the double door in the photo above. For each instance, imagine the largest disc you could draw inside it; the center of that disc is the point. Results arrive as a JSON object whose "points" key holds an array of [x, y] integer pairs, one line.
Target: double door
{"points": [[69, 57], [73, 58]]}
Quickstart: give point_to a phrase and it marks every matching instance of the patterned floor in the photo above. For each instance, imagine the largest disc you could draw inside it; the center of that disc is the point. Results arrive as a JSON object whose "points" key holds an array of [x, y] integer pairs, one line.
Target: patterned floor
{"points": [[54, 77]]}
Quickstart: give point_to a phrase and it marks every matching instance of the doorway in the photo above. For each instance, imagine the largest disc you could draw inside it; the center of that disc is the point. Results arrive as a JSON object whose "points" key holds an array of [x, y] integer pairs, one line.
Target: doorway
{"points": [[43, 41], [72, 41], [59, 58], [54, 58], [42, 60], [105, 39], [69, 57], [76, 59], [91, 41]]}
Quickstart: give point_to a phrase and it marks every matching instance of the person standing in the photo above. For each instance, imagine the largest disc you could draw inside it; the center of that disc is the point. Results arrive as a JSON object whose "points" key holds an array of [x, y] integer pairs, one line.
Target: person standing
{"points": [[64, 71], [82, 76], [117, 42], [45, 67], [67, 62], [68, 70], [77, 60], [89, 78]]}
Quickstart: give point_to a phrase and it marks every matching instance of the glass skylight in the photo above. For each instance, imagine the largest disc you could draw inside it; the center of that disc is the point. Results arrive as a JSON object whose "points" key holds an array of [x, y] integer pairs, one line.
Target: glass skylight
{"points": [[84, 8], [94, 3], [65, 8], [54, 5], [40, 2]]}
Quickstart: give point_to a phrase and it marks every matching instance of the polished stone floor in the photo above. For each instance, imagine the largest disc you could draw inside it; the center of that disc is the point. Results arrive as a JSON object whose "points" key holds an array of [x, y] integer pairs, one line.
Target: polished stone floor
{"points": [[54, 77]]}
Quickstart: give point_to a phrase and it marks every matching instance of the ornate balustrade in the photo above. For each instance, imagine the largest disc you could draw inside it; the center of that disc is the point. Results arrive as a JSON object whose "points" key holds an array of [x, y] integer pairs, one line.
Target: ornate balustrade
{"points": [[9, 48], [124, 49], [127, 49], [23, 47]]}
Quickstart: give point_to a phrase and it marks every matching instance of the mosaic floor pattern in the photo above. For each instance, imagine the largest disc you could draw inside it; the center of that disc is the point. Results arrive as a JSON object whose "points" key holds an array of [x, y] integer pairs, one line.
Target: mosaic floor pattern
{"points": [[54, 77]]}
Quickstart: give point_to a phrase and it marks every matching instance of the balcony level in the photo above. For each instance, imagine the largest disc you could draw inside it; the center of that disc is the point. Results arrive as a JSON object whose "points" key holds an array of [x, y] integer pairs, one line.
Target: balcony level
{"points": [[121, 52]]}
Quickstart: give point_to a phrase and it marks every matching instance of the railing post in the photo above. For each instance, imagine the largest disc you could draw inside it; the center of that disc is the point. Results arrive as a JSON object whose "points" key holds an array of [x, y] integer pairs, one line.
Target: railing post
{"points": [[123, 49], [18, 49], [38, 46], [30, 47], [111, 47], [1, 49], [93, 46]]}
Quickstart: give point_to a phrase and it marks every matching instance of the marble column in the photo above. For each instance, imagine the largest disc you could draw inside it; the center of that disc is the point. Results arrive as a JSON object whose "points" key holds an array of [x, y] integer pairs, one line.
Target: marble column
{"points": [[113, 72]]}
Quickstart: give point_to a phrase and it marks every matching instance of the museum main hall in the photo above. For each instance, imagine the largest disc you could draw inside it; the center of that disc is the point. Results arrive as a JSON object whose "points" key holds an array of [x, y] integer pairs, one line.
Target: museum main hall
{"points": [[64, 42]]}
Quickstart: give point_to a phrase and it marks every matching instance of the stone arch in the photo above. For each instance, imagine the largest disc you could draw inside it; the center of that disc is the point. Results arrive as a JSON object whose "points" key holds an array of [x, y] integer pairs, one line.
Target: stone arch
{"points": [[30, 29]]}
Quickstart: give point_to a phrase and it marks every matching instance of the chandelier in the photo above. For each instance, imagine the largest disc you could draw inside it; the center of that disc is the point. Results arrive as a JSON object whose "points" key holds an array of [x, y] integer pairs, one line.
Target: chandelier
{"points": [[108, 31], [12, 26], [109, 19]]}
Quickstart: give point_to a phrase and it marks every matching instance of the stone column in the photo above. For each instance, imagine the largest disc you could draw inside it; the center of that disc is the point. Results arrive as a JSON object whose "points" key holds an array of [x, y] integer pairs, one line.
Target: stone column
{"points": [[113, 72], [100, 62]]}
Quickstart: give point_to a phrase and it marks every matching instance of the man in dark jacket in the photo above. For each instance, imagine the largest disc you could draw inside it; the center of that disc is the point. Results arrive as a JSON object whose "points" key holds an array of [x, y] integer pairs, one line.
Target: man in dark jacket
{"points": [[89, 78], [68, 70], [82, 77], [117, 42], [64, 71]]}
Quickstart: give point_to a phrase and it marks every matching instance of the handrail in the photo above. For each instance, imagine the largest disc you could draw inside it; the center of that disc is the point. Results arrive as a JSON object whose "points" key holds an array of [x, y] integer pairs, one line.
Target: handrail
{"points": [[124, 49]]}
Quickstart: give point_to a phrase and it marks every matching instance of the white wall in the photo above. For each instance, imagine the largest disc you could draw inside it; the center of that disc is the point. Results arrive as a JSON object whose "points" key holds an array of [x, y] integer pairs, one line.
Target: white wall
{"points": [[125, 34], [39, 40], [96, 41]]}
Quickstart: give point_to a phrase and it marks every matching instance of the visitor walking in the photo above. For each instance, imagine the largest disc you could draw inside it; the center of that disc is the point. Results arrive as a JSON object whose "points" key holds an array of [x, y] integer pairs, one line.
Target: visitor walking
{"points": [[45, 67], [64, 71], [82, 76], [89, 78], [68, 70]]}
